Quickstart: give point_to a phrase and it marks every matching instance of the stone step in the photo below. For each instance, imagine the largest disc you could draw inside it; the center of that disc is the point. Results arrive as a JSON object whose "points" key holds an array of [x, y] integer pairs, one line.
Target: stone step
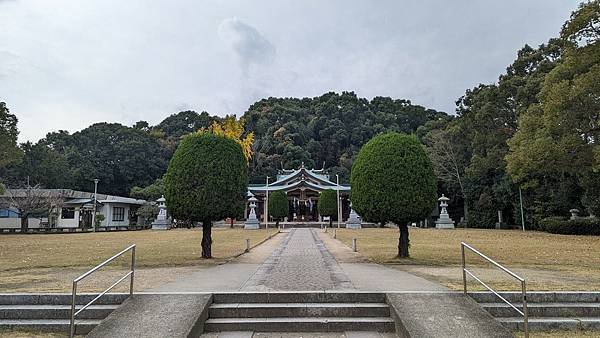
{"points": [[265, 310], [300, 297], [552, 323], [301, 324], [53, 311], [539, 297], [82, 326], [59, 298], [545, 309]]}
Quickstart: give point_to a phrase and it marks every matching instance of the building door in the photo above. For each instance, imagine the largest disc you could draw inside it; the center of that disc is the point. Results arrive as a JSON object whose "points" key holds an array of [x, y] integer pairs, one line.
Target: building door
{"points": [[85, 219]]}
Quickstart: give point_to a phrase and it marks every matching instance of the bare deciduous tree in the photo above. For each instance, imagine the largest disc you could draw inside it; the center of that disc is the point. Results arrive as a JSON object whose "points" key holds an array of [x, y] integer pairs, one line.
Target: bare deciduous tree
{"points": [[447, 162], [30, 201]]}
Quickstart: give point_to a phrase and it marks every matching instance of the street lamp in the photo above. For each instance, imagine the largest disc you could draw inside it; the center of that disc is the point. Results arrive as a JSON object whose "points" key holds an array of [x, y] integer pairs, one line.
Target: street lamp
{"points": [[95, 201], [267, 205], [339, 210]]}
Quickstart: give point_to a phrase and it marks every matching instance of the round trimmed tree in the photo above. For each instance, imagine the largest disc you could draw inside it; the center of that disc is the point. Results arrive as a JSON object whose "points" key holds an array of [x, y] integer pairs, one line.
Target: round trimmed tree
{"points": [[278, 206], [327, 204], [206, 181], [393, 179]]}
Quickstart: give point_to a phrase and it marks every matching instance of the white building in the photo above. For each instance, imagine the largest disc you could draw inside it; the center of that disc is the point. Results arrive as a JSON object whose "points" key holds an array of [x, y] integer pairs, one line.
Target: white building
{"points": [[70, 209]]}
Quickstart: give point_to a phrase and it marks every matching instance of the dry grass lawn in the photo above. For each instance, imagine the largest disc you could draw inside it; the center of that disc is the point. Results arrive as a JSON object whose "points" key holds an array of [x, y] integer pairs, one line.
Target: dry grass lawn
{"points": [[46, 263], [153, 248], [436, 253]]}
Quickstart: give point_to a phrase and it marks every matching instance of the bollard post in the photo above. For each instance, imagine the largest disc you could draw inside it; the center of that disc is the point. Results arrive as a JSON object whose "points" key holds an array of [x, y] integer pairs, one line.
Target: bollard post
{"points": [[247, 244], [334, 233], [354, 245]]}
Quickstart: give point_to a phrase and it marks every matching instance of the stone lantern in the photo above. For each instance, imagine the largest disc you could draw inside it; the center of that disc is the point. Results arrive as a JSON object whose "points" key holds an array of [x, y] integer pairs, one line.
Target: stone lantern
{"points": [[444, 222], [353, 221], [574, 214], [161, 222], [252, 222]]}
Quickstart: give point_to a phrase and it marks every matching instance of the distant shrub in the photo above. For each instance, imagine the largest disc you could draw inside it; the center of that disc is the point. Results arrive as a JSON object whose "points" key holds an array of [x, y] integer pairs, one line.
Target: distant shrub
{"points": [[564, 226]]}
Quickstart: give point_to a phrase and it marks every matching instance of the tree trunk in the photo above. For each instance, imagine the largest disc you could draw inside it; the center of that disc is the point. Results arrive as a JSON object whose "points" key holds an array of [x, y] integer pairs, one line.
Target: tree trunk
{"points": [[206, 239], [330, 222], [403, 241], [277, 223], [24, 224], [382, 224], [231, 222]]}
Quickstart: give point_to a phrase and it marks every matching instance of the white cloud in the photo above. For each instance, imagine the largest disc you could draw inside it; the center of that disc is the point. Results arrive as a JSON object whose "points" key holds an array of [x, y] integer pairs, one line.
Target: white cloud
{"points": [[66, 64]]}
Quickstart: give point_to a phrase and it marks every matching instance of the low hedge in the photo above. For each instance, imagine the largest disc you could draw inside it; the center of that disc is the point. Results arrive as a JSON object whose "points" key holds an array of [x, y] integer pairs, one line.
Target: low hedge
{"points": [[564, 226]]}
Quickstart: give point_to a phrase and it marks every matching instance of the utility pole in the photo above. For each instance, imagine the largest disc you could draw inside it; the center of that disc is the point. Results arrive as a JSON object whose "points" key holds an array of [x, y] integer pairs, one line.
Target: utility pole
{"points": [[522, 215], [95, 201], [267, 205], [339, 209]]}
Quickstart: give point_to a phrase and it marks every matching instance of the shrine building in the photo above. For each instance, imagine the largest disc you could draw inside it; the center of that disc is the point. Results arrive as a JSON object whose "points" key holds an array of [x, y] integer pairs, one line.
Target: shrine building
{"points": [[302, 187]]}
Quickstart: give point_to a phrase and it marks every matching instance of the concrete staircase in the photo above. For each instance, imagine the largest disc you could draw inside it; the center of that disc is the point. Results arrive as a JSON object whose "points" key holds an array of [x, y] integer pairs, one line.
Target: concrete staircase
{"points": [[547, 310], [51, 312], [299, 312]]}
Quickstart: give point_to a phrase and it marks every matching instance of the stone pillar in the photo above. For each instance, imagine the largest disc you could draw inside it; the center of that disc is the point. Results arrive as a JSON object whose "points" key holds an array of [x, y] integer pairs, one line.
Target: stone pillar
{"points": [[501, 224]]}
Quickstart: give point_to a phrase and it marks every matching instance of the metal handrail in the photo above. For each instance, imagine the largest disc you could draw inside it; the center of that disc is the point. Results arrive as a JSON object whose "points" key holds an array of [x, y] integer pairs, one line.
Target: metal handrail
{"points": [[131, 274], [524, 312]]}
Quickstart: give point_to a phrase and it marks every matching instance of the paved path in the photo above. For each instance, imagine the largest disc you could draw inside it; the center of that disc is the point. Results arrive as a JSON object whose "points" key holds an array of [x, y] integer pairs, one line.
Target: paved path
{"points": [[300, 259], [301, 262], [369, 276]]}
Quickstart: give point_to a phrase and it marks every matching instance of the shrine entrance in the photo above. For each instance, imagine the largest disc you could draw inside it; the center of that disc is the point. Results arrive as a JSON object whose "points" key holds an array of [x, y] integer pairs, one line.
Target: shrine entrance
{"points": [[302, 187]]}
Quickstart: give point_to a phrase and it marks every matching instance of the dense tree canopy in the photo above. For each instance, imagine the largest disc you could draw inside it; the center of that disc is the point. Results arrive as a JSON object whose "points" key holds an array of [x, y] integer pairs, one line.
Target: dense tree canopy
{"points": [[206, 181], [558, 136], [9, 152], [328, 205], [324, 131], [150, 193], [278, 206], [393, 179]]}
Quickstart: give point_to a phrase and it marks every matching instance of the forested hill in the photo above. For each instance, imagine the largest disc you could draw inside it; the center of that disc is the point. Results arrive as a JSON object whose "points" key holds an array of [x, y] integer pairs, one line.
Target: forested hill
{"points": [[326, 130]]}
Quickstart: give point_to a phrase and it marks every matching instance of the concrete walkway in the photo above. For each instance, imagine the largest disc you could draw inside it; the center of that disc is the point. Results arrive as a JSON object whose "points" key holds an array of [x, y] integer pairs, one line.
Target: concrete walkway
{"points": [[300, 259], [301, 262], [368, 276]]}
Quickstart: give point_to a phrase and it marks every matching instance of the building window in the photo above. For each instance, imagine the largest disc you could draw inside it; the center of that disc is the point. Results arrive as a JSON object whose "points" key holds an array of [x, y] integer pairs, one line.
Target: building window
{"points": [[118, 214], [67, 213]]}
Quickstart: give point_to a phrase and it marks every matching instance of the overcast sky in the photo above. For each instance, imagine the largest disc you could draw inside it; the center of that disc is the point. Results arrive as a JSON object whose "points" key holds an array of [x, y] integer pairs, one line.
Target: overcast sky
{"points": [[68, 64]]}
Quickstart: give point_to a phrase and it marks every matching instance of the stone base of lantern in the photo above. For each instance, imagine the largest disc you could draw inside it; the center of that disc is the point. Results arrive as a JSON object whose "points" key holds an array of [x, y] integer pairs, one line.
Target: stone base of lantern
{"points": [[444, 222], [353, 221], [252, 224], [161, 224]]}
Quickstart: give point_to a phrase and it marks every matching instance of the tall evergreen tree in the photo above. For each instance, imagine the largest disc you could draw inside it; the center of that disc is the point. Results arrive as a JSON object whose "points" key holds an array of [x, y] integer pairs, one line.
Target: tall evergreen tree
{"points": [[206, 181], [328, 205], [392, 178]]}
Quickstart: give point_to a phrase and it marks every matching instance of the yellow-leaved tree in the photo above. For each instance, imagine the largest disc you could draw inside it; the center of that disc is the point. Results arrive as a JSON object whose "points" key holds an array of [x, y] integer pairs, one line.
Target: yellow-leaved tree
{"points": [[233, 128]]}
